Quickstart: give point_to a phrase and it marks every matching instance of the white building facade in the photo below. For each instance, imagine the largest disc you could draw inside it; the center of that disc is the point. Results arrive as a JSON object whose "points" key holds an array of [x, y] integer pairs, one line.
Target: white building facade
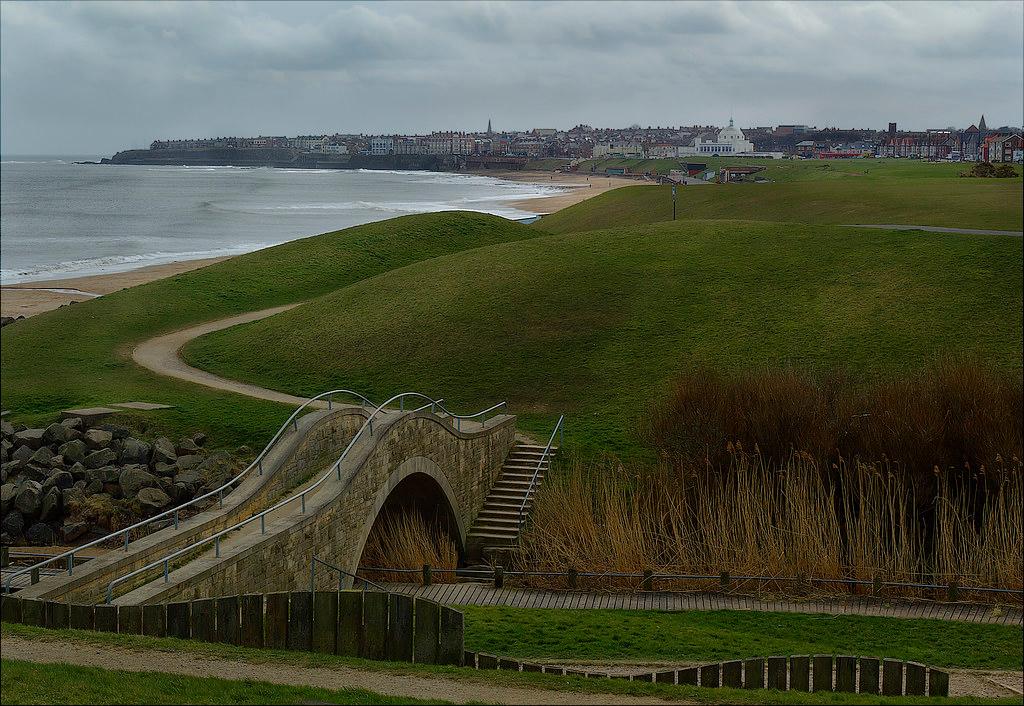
{"points": [[730, 141]]}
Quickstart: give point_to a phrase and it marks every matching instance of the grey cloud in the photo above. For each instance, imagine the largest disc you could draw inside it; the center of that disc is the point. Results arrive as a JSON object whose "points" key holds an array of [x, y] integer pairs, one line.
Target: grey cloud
{"points": [[100, 76]]}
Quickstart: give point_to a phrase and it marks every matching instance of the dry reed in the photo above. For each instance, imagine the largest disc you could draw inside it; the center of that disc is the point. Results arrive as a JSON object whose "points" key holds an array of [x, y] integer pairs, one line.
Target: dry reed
{"points": [[407, 540], [859, 522]]}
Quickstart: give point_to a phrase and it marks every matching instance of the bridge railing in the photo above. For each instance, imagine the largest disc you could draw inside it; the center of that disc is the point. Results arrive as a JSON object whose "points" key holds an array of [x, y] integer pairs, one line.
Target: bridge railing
{"points": [[175, 512], [300, 496], [533, 481]]}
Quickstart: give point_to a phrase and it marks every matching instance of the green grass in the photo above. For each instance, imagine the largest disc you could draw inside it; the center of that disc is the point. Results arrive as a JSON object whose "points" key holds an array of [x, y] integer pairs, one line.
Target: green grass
{"points": [[30, 683], [988, 204], [595, 324], [80, 355], [483, 678], [681, 637]]}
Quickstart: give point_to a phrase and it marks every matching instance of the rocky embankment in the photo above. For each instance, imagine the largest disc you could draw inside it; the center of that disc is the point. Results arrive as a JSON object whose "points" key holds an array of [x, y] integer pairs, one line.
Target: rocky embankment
{"points": [[281, 157], [66, 483]]}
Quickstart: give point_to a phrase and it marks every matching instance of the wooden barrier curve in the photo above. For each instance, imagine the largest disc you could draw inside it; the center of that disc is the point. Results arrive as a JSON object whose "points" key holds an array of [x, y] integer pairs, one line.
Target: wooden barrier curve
{"points": [[371, 624], [866, 675]]}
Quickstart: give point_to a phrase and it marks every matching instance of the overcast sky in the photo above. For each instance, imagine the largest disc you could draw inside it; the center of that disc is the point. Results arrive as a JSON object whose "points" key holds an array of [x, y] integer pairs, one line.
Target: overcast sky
{"points": [[92, 78]]}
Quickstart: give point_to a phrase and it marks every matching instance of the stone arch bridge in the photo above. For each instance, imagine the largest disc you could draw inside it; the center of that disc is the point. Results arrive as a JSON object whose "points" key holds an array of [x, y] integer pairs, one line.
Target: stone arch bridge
{"points": [[391, 459]]}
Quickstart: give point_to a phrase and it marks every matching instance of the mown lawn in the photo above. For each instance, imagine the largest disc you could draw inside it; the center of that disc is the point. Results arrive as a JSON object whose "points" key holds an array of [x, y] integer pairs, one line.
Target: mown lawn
{"points": [[987, 204], [605, 635], [31, 683], [596, 324], [80, 356]]}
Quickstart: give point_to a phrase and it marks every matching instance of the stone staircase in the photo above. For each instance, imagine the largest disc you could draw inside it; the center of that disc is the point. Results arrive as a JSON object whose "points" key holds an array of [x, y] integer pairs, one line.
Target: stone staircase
{"points": [[497, 525]]}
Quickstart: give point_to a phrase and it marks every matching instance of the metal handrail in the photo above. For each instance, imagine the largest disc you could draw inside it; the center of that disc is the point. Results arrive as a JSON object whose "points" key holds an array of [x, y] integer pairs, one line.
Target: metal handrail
{"points": [[536, 472], [341, 573], [219, 492], [301, 495]]}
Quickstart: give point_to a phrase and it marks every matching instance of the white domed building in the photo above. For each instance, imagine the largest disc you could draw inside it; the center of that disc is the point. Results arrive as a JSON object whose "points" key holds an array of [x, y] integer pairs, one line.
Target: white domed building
{"points": [[730, 141]]}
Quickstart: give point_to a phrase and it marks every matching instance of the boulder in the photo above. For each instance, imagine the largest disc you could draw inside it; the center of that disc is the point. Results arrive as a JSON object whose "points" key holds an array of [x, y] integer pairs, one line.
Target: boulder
{"points": [[53, 503], [135, 478], [165, 469], [216, 470], [191, 477], [42, 457], [13, 524], [40, 535], [97, 438], [93, 487], [183, 492], [199, 438], [106, 474], [61, 479], [72, 423], [6, 430], [29, 498], [97, 459], [116, 430], [135, 452], [163, 451], [73, 451], [57, 462], [79, 472], [72, 496], [56, 434], [33, 438], [187, 446], [153, 499], [72, 531], [8, 491], [22, 453], [185, 463]]}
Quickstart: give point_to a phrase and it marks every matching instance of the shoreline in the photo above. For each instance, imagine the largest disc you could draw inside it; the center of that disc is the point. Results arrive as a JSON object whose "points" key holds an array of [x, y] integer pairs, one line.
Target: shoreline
{"points": [[38, 296]]}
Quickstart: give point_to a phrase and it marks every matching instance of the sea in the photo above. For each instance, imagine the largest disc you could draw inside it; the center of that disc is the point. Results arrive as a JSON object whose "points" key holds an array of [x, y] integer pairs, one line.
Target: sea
{"points": [[61, 219]]}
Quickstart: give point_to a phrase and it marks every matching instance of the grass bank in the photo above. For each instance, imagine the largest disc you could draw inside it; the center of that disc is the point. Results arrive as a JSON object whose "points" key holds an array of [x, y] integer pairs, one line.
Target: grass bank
{"points": [[686, 637], [31, 683], [987, 204], [597, 324], [80, 355]]}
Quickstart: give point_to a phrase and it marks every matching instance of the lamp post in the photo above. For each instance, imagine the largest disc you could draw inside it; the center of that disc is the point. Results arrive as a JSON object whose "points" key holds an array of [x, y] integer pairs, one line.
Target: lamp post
{"points": [[673, 202]]}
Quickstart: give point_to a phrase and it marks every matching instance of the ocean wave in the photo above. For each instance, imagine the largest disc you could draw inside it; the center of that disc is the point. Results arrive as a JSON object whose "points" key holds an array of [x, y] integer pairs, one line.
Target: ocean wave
{"points": [[116, 263]]}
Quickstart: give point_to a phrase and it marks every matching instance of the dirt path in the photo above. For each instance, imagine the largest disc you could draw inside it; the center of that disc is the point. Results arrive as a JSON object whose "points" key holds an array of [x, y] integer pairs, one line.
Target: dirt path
{"points": [[162, 356], [198, 665], [938, 229]]}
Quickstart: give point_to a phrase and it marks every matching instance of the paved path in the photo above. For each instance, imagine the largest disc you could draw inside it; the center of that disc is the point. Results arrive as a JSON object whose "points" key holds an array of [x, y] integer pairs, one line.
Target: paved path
{"points": [[937, 229], [485, 594], [380, 681], [162, 356]]}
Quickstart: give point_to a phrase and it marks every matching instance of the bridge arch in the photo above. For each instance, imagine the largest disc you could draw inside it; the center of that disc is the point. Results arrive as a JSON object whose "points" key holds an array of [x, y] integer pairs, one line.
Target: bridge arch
{"points": [[417, 483]]}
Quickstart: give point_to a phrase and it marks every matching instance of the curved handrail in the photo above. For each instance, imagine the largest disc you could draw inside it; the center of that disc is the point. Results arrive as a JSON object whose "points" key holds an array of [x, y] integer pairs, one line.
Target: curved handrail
{"points": [[301, 495], [533, 481], [257, 463]]}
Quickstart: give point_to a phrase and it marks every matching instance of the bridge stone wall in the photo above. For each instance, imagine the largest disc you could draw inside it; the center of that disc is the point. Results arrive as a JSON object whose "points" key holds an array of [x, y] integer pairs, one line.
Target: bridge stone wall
{"points": [[320, 438], [465, 464]]}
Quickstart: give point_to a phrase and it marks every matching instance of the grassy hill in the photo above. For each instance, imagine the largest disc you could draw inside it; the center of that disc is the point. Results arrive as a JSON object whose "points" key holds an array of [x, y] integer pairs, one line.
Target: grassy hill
{"points": [[595, 323], [80, 355], [950, 202]]}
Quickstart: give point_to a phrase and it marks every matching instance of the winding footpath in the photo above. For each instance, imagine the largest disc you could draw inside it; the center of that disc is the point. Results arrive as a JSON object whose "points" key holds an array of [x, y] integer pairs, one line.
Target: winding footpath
{"points": [[937, 229], [162, 355]]}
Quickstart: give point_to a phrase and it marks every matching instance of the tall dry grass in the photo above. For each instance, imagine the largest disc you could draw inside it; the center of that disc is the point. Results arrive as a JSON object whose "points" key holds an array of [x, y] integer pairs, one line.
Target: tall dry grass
{"points": [[408, 540], [954, 413], [759, 520]]}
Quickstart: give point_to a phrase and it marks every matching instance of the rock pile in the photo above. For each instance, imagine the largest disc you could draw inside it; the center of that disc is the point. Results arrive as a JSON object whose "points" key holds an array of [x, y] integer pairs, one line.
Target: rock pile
{"points": [[66, 483]]}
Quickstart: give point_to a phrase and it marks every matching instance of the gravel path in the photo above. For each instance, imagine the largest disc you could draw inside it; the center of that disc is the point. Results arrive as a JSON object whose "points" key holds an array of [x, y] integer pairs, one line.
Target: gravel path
{"points": [[938, 229], [199, 665], [162, 356]]}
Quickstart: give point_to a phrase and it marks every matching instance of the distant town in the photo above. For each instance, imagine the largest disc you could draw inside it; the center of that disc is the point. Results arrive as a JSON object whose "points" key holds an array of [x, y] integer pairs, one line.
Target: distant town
{"points": [[977, 142]]}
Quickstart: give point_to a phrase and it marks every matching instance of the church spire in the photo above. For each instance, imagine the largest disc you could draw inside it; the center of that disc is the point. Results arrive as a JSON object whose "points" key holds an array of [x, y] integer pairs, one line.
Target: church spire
{"points": [[489, 126], [981, 124]]}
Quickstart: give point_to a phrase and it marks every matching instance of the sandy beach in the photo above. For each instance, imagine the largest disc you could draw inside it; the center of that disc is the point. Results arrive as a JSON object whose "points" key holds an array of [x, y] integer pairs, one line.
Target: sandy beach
{"points": [[30, 298], [581, 187]]}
